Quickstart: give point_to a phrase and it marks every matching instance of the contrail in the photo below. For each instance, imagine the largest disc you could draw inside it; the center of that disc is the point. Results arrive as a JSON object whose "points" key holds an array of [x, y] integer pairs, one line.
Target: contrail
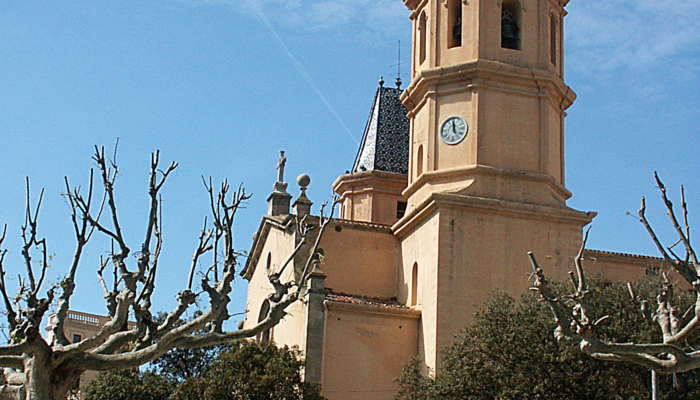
{"points": [[299, 67]]}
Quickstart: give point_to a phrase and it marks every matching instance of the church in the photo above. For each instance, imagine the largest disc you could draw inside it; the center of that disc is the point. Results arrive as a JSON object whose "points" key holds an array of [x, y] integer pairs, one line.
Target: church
{"points": [[457, 177]]}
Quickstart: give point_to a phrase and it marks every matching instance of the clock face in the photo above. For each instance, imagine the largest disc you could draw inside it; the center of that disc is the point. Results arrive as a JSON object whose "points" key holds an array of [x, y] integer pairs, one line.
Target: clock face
{"points": [[453, 130]]}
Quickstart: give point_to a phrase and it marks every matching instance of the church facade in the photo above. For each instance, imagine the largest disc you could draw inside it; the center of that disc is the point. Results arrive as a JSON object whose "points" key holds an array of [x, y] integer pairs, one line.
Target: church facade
{"points": [[457, 177]]}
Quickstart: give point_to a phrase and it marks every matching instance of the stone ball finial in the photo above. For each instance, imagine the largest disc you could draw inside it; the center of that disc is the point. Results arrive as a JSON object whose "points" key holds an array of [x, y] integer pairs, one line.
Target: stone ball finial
{"points": [[303, 180], [381, 81]]}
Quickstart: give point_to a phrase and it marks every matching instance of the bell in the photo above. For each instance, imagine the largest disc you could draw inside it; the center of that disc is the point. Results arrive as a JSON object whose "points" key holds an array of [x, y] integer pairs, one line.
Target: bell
{"points": [[509, 31], [457, 32]]}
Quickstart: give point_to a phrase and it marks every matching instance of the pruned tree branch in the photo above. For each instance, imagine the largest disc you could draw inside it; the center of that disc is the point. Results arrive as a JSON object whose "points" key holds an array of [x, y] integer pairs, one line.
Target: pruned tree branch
{"points": [[668, 356], [119, 344], [9, 308]]}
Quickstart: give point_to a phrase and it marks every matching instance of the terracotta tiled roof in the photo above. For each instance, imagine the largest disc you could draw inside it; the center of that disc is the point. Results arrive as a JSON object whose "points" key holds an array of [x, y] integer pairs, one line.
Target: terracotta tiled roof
{"points": [[367, 301], [613, 253], [362, 223]]}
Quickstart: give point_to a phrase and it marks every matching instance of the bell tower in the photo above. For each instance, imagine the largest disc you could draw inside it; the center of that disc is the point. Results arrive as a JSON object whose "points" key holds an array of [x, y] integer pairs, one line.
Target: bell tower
{"points": [[486, 105], [487, 100]]}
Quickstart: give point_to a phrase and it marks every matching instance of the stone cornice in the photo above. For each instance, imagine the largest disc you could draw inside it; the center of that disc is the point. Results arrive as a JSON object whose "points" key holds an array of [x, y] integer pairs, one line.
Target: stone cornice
{"points": [[364, 309], [490, 74], [375, 180], [414, 5], [476, 170], [602, 255], [447, 200], [360, 225]]}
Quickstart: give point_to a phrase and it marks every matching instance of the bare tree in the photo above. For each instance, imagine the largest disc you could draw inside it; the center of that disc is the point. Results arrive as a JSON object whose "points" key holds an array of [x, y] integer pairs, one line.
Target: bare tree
{"points": [[37, 370], [573, 313]]}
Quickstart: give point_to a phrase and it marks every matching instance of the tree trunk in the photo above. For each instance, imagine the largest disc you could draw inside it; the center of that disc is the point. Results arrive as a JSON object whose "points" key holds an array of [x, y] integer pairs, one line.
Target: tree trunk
{"points": [[63, 381], [38, 382]]}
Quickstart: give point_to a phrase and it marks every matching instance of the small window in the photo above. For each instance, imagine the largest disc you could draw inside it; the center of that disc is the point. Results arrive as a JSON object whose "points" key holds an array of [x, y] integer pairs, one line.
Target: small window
{"points": [[264, 312], [414, 285], [511, 15], [77, 338], [400, 209], [423, 32], [553, 38], [454, 17], [419, 161]]}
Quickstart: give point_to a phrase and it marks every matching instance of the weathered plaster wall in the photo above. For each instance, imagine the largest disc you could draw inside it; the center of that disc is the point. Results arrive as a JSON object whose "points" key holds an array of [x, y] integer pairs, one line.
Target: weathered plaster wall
{"points": [[617, 266], [421, 248], [364, 350], [279, 245], [360, 260], [482, 251], [467, 247]]}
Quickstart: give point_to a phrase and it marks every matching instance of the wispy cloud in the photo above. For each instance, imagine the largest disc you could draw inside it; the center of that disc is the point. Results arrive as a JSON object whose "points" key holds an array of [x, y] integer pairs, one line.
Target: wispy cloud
{"points": [[345, 19], [641, 48], [317, 15], [260, 12], [632, 35]]}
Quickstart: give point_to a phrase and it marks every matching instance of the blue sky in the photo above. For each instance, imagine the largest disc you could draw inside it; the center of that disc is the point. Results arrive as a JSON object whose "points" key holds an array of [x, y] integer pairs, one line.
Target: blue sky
{"points": [[222, 86]]}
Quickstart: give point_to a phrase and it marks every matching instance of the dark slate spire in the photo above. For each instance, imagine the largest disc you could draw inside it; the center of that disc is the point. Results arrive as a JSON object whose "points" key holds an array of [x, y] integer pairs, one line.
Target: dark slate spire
{"points": [[384, 144]]}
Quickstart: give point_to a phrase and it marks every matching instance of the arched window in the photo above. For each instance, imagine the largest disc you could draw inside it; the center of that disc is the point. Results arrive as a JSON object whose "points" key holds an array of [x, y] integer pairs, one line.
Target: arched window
{"points": [[423, 32], [511, 17], [454, 18], [414, 285], [553, 38], [419, 161], [264, 312]]}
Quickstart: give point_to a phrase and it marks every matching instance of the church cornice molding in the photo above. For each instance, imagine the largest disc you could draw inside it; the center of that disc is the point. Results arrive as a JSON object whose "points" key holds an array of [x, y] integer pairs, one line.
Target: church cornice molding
{"points": [[489, 74], [440, 201], [378, 181], [612, 256], [368, 191], [558, 6], [416, 6], [365, 309], [474, 171], [361, 225]]}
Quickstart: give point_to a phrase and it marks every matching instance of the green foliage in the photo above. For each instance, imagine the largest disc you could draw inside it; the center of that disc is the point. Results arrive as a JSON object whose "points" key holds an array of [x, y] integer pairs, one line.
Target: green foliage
{"points": [[250, 370], [179, 365], [128, 384], [245, 370], [508, 352]]}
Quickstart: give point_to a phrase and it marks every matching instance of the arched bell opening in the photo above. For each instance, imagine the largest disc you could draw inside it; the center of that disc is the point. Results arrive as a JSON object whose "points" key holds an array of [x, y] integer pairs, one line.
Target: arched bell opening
{"points": [[454, 23], [419, 161], [423, 33], [553, 43], [511, 24]]}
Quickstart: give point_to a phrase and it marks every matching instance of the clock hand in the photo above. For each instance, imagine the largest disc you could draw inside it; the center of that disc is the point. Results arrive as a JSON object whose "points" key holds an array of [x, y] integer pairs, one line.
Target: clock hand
{"points": [[454, 129]]}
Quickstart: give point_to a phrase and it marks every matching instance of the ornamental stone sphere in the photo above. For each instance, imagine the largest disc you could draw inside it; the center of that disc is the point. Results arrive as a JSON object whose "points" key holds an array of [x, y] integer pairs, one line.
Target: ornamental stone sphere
{"points": [[303, 180]]}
